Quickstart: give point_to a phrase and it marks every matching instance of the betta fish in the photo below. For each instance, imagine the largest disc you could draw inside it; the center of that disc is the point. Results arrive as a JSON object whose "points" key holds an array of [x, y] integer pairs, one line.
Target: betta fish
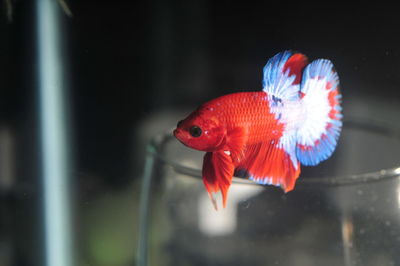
{"points": [[294, 120]]}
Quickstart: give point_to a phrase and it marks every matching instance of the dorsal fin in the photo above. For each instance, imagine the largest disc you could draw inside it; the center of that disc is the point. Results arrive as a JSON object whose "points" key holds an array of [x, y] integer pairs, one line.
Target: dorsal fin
{"points": [[282, 75]]}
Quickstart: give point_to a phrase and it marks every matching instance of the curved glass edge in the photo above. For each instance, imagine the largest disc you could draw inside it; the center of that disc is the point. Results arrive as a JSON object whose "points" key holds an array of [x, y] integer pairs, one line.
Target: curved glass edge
{"points": [[378, 127]]}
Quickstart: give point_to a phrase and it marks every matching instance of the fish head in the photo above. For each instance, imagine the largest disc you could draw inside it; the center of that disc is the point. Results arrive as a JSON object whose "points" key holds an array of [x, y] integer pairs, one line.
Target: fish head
{"points": [[201, 130]]}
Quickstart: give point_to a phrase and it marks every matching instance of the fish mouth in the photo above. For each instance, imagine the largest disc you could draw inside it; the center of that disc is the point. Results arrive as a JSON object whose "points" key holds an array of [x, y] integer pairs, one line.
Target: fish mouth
{"points": [[181, 136], [178, 134]]}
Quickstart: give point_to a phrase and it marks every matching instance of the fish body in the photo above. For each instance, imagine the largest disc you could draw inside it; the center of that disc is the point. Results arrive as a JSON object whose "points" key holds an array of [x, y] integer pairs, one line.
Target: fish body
{"points": [[265, 135], [248, 111]]}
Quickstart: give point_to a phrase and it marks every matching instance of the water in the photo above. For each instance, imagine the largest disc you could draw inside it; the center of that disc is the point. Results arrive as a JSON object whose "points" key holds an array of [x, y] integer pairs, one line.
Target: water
{"points": [[345, 211]]}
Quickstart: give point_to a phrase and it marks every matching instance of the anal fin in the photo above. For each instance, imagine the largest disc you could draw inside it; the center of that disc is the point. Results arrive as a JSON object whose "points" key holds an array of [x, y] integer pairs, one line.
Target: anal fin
{"points": [[271, 163]]}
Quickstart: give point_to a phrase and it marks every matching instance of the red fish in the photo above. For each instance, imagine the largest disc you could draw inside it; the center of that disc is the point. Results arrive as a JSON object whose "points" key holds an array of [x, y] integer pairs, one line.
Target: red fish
{"points": [[295, 119]]}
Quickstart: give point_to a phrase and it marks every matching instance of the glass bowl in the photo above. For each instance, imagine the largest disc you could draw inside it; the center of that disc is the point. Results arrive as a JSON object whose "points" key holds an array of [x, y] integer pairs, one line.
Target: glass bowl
{"points": [[345, 211]]}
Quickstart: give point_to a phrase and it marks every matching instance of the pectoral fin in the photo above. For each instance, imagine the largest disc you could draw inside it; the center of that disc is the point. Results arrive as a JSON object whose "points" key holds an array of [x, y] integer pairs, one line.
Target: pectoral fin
{"points": [[217, 174]]}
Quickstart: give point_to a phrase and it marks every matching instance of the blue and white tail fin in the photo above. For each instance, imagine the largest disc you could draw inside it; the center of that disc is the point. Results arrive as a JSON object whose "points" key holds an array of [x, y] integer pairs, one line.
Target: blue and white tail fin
{"points": [[319, 92]]}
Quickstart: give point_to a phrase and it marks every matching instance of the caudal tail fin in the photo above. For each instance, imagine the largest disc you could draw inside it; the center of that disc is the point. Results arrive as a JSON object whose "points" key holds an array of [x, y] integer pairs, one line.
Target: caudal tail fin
{"points": [[317, 137]]}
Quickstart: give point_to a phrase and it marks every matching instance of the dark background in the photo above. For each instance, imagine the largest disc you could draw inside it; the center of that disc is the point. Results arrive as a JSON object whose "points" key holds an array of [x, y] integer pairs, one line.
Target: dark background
{"points": [[127, 60]]}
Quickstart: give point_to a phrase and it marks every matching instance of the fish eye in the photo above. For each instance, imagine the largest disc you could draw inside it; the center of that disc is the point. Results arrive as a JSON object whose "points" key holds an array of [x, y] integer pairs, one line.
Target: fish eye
{"points": [[195, 131]]}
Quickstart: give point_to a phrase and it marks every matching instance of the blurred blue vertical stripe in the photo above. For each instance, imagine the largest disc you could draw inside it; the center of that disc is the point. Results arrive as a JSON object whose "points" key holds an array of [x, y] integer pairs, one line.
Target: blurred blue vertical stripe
{"points": [[54, 136]]}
